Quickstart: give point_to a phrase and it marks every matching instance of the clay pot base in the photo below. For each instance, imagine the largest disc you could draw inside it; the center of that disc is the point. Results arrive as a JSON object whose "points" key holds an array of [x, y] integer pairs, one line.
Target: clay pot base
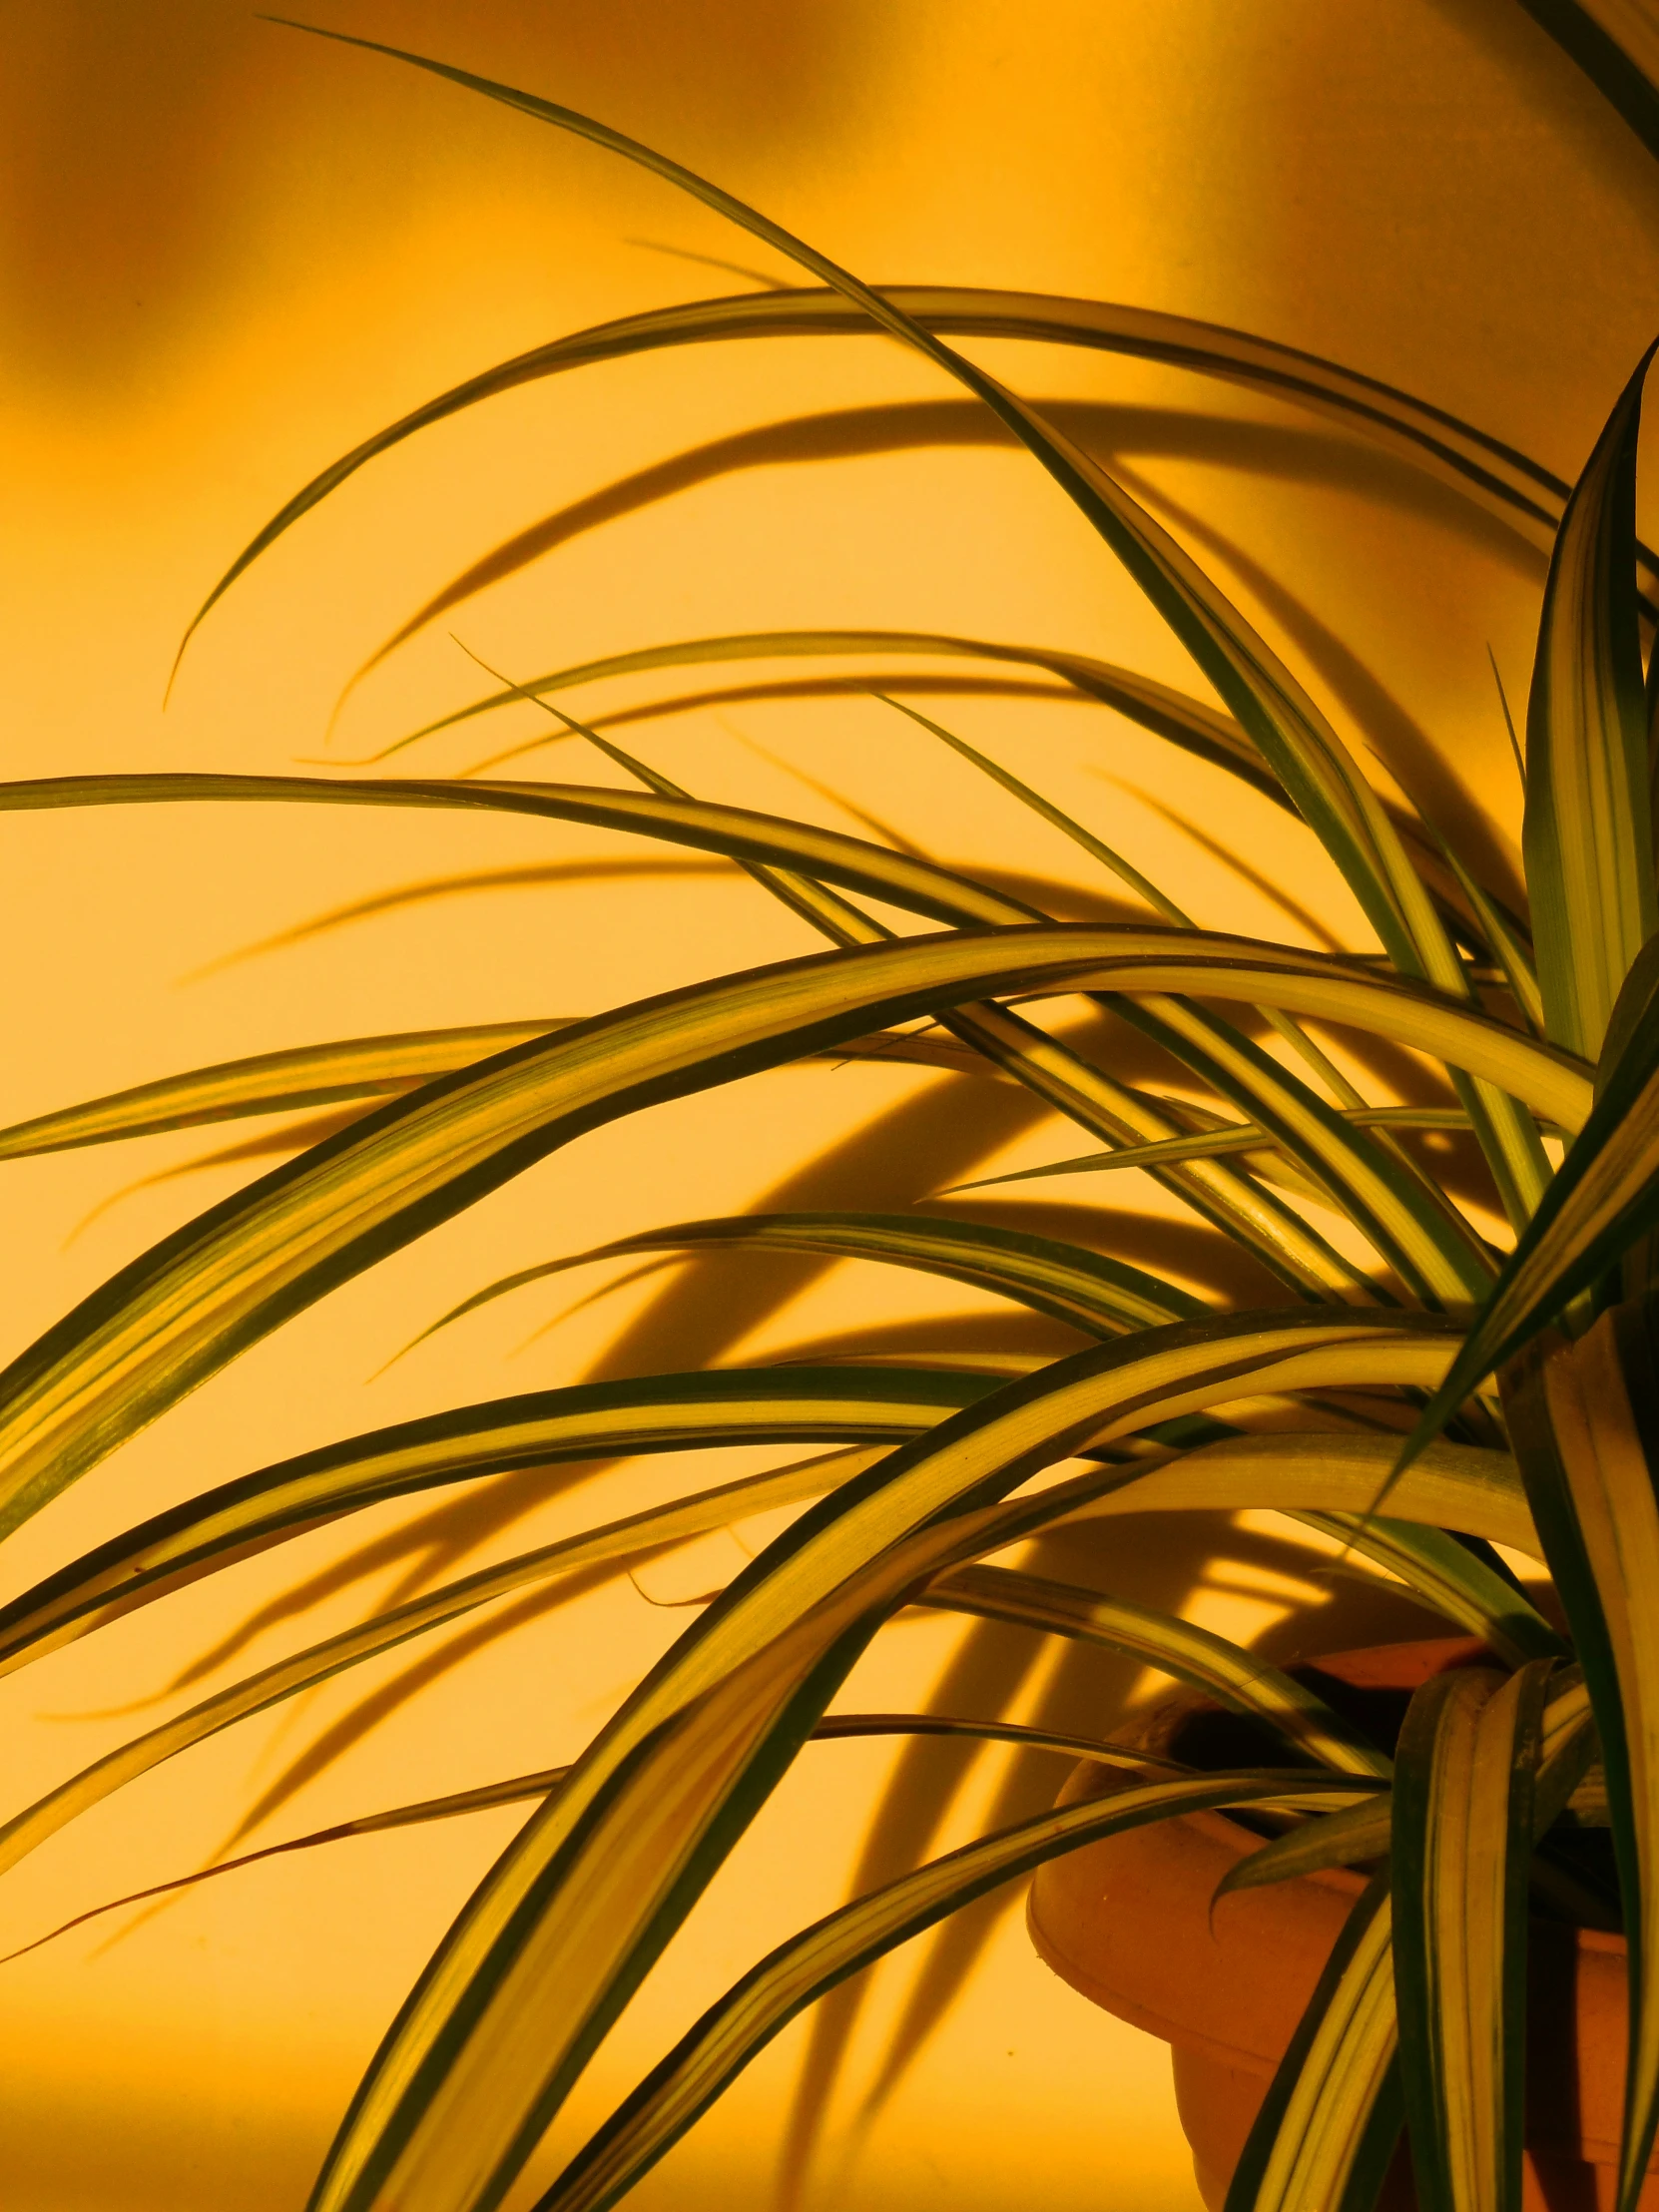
{"points": [[1126, 1923]]}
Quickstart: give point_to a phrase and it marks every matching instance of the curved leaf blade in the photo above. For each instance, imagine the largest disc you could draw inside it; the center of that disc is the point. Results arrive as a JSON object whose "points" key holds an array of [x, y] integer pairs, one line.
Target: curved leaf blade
{"points": [[1587, 834], [1327, 2129], [1461, 1854], [1086, 1288], [736, 2030]]}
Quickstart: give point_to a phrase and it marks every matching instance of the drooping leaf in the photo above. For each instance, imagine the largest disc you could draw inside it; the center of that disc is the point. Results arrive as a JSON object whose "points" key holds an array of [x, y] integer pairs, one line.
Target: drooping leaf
{"points": [[591, 1420], [1461, 1857], [1508, 480], [1443, 1572], [1380, 1188], [1192, 1654], [1328, 2125], [736, 2028], [1585, 1422], [1357, 1834], [1587, 836], [1461, 1487], [1604, 1195], [359, 1067], [1085, 1289], [520, 1789], [1293, 736], [560, 1932], [1174, 716]]}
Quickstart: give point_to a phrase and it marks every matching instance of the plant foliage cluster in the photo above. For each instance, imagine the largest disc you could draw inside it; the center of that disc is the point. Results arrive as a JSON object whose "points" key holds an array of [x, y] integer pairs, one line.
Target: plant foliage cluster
{"points": [[1454, 1396]]}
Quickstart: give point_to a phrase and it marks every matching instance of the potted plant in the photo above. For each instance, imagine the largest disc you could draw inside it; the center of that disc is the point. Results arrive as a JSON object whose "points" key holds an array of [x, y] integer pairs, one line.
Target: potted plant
{"points": [[1449, 1395]]}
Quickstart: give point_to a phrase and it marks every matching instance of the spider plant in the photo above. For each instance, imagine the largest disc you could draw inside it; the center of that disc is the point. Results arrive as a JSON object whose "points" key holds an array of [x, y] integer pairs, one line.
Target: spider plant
{"points": [[1511, 1385]]}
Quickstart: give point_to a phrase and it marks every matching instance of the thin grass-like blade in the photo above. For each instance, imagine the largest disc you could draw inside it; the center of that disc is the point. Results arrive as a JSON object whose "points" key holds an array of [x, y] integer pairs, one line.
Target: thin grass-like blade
{"points": [[1442, 1571], [520, 1789], [559, 1933], [1205, 1144], [1379, 1188], [1585, 1422], [1068, 1282], [1460, 1859], [1053, 1071], [359, 1067], [1175, 716], [591, 1420], [736, 2028], [1604, 1196], [1327, 2128], [177, 1314], [1359, 1834], [1328, 987], [1294, 737], [1587, 838], [1409, 1222], [1194, 1655], [1346, 1352], [1506, 479], [1460, 1487]]}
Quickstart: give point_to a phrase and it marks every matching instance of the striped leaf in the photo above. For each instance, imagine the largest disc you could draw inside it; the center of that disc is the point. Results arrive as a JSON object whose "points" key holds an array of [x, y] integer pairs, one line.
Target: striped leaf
{"points": [[1446, 1575], [1066, 1281], [1512, 484], [1461, 1853], [1276, 712], [358, 1067], [592, 1421], [705, 2060], [538, 1964], [521, 1788], [1604, 1196], [1587, 836], [1328, 2125], [1585, 1422], [56, 1612], [1194, 1655]]}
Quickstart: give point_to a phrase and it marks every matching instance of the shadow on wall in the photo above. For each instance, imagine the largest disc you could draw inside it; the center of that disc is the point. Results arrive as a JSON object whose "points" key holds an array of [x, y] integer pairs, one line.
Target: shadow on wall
{"points": [[145, 151]]}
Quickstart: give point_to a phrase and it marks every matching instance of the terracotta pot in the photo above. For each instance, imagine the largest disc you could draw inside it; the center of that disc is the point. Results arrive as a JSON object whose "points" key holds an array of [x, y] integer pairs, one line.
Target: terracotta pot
{"points": [[1128, 1924]]}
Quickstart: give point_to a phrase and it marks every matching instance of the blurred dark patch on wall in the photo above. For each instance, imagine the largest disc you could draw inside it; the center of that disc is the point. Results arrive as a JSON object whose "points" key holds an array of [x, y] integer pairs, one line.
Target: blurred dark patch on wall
{"points": [[147, 147]]}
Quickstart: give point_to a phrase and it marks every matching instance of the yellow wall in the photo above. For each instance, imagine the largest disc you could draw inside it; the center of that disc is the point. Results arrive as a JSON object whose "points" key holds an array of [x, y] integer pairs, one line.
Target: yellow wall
{"points": [[226, 253]]}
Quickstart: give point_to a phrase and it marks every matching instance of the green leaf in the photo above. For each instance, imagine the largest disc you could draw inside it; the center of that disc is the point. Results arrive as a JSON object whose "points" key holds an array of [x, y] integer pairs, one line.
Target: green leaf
{"points": [[591, 1420], [1172, 715], [1604, 1195], [1438, 1570], [627, 1417], [1359, 1834], [1082, 1288], [1587, 836], [1461, 1854], [1293, 736], [1391, 1202], [1195, 1655], [1380, 1189], [560, 1932], [1585, 1422], [358, 1067], [1508, 482], [518, 1789], [1326, 2132], [182, 1310], [1452, 1486], [705, 2060], [1053, 1070], [1203, 1144]]}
